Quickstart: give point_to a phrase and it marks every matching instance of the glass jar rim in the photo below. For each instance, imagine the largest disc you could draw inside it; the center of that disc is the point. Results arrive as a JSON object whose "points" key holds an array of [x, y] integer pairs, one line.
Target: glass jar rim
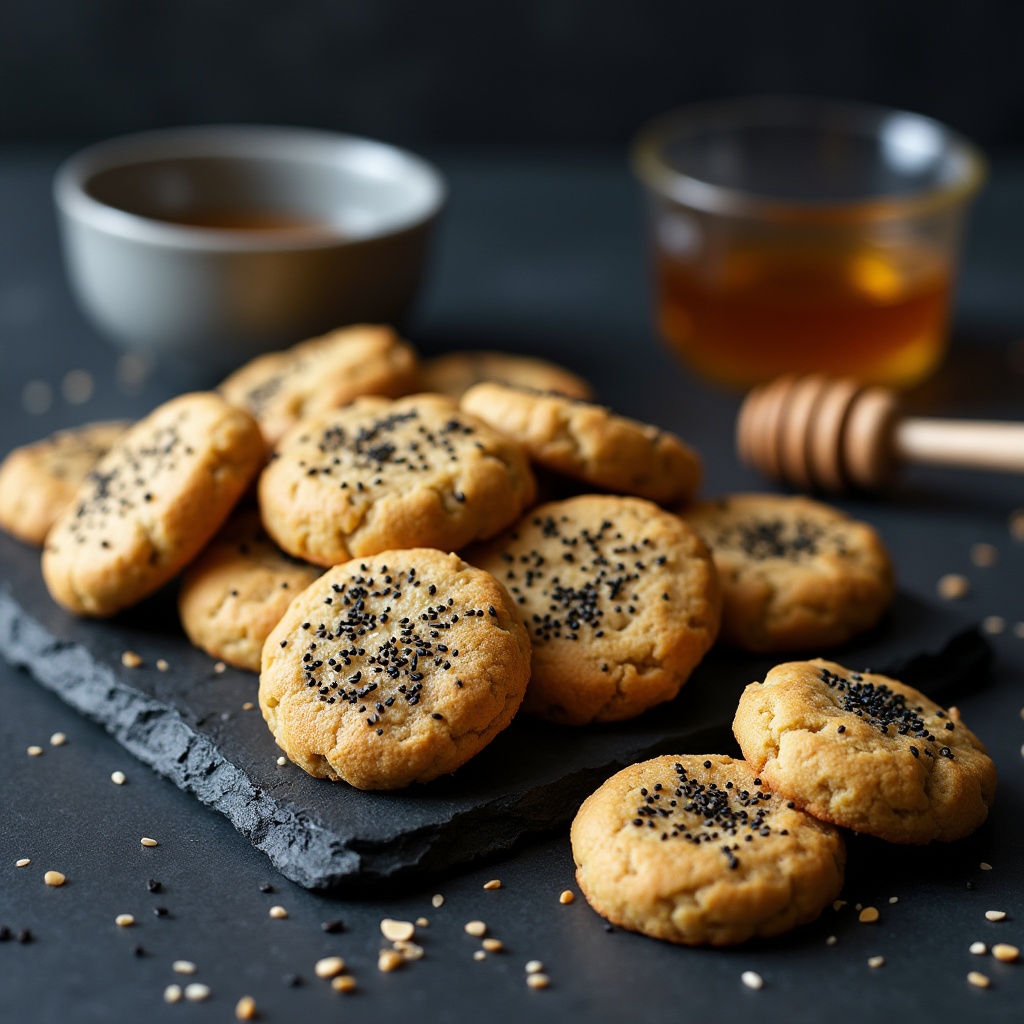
{"points": [[657, 174]]}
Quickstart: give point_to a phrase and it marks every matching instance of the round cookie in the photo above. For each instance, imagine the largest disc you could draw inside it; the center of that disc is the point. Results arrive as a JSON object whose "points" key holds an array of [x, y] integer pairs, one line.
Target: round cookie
{"points": [[695, 850], [280, 388], [382, 474], [38, 481], [394, 670], [236, 591], [796, 574], [621, 599], [590, 443], [151, 503], [455, 373], [865, 752]]}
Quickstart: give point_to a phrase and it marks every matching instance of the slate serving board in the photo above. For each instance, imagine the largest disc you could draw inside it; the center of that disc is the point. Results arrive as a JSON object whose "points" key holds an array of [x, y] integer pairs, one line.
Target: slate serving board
{"points": [[188, 724]]}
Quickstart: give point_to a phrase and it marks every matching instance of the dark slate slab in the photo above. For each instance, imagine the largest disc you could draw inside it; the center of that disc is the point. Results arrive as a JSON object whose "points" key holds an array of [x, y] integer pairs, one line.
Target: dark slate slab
{"points": [[188, 724]]}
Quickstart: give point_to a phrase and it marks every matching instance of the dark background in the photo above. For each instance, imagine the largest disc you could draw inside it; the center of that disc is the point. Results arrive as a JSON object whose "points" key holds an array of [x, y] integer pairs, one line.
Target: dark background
{"points": [[525, 73]]}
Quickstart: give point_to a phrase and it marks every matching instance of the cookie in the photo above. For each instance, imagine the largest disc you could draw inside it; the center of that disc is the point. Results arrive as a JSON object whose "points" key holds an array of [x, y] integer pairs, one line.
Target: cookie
{"points": [[280, 388], [796, 574], [382, 474], [456, 372], [394, 670], [151, 503], [865, 752], [590, 443], [696, 850], [621, 599], [236, 591], [38, 481]]}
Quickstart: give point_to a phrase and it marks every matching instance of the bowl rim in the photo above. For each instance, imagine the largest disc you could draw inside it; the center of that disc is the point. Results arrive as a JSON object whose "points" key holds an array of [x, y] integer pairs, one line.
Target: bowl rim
{"points": [[242, 141], [670, 183]]}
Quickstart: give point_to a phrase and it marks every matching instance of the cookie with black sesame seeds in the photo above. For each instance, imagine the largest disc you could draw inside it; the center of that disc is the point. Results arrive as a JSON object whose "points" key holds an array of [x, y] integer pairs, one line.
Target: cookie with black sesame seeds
{"points": [[236, 591], [280, 388], [621, 599], [866, 752], [454, 373], [590, 443], [394, 670], [149, 506], [695, 849], [797, 574], [38, 481], [380, 474]]}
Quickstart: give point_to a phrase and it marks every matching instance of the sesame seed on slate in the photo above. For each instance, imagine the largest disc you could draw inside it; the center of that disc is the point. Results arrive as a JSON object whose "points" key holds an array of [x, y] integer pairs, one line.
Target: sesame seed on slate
{"points": [[124, 920], [34, 751], [494, 883], [343, 983], [54, 878], [278, 912], [329, 967], [437, 900], [978, 979], [58, 739], [995, 915], [22, 862], [197, 992], [752, 980], [953, 586], [153, 885], [978, 948], [567, 897], [538, 980], [130, 659], [876, 961], [184, 967], [476, 928], [146, 841], [332, 927], [245, 1008], [869, 915], [1006, 953], [118, 778]]}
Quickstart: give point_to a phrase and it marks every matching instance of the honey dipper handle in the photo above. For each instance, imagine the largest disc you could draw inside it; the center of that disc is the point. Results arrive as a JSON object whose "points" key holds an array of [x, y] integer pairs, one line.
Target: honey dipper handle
{"points": [[973, 444]]}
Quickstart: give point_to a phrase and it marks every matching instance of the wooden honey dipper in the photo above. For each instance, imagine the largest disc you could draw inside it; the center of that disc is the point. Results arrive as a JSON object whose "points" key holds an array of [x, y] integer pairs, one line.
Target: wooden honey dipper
{"points": [[829, 434]]}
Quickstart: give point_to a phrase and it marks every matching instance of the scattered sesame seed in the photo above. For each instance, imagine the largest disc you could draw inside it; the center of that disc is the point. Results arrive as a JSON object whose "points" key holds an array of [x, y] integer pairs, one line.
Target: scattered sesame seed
{"points": [[979, 948], [23, 863], [985, 866], [245, 1008], [752, 979], [248, 706], [58, 739], [1017, 524], [282, 761], [34, 751], [124, 920], [422, 922], [831, 940], [389, 960], [153, 885], [534, 967], [876, 961], [978, 979], [130, 659], [993, 624], [494, 883], [183, 967], [894, 899], [493, 945], [344, 983], [146, 841], [277, 911], [220, 668], [266, 887], [567, 897], [984, 556], [54, 878], [118, 778], [332, 927], [397, 931], [476, 928], [1005, 952], [995, 915], [479, 955], [162, 665], [77, 386], [869, 915], [409, 950], [838, 904], [172, 994], [437, 900], [197, 992], [329, 967], [538, 980], [953, 586]]}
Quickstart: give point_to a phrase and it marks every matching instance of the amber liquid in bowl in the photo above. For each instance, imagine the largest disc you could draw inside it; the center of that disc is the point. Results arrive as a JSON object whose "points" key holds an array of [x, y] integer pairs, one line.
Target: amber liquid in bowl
{"points": [[762, 310]]}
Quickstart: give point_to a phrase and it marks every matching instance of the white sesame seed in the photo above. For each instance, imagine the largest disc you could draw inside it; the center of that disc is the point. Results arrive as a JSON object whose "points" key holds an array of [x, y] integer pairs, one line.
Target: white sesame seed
{"points": [[389, 960], [118, 778], [978, 948], [494, 883], [437, 900], [124, 920], [329, 967], [397, 931], [534, 967], [538, 980], [479, 955], [869, 915], [162, 665], [220, 668], [752, 979], [282, 761], [1005, 952], [54, 878], [476, 928], [344, 983], [831, 940], [172, 994], [183, 967], [248, 706], [146, 841], [22, 863], [130, 659], [493, 945], [953, 586], [995, 915], [245, 1008], [985, 866], [34, 751], [894, 899], [278, 911], [197, 992], [978, 979], [993, 624], [876, 961], [58, 739], [567, 897], [984, 556], [422, 922], [409, 950]]}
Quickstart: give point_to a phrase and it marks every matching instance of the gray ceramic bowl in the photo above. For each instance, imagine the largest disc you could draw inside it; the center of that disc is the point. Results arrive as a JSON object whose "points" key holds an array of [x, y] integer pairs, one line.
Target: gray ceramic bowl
{"points": [[311, 230]]}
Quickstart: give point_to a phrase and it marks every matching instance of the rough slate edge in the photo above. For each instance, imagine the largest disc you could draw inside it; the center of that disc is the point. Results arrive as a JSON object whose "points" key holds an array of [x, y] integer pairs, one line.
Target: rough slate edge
{"points": [[470, 818]]}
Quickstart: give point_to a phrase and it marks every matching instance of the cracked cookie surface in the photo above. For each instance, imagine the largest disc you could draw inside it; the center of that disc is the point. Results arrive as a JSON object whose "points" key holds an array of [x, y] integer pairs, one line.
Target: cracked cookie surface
{"points": [[454, 373], [394, 669], [149, 506], [621, 599], [379, 474], [866, 752], [590, 443], [695, 849], [796, 574]]}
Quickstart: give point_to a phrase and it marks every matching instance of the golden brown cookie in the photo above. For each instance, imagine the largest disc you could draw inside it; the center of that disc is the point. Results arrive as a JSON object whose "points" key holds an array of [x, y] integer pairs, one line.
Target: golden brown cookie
{"points": [[455, 373], [796, 574], [151, 503], [236, 591], [695, 849], [38, 481], [621, 599], [280, 388], [865, 752], [590, 443], [378, 474], [395, 669]]}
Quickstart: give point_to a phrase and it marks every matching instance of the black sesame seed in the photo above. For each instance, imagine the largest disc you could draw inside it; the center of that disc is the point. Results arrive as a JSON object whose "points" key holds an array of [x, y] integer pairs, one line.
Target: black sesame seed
{"points": [[333, 927], [153, 885]]}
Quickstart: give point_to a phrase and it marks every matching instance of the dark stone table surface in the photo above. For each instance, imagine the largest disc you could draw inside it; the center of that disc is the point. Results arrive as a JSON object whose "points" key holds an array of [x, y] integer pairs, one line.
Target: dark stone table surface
{"points": [[544, 254]]}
